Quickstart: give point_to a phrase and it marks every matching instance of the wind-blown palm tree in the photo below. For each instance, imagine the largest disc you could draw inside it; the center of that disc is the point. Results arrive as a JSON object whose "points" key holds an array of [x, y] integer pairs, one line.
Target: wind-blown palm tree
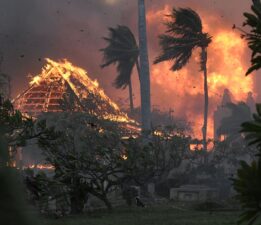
{"points": [[184, 34], [144, 70], [122, 50]]}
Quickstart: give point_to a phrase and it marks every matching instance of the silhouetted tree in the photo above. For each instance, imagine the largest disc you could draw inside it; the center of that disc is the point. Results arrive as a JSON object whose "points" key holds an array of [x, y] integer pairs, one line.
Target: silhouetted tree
{"points": [[247, 185], [122, 50], [248, 180], [184, 34], [253, 21], [144, 69]]}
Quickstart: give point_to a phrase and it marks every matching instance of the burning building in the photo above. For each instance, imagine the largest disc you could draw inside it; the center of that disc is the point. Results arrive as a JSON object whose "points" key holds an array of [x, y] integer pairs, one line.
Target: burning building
{"points": [[223, 111], [63, 87]]}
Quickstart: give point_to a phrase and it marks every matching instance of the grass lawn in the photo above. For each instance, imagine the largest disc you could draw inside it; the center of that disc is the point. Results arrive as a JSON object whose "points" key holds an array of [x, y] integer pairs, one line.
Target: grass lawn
{"points": [[149, 216]]}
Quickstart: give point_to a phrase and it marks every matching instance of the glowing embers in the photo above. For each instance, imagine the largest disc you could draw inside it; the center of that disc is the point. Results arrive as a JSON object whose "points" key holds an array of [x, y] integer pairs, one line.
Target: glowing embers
{"points": [[62, 86], [40, 167], [44, 96], [124, 157]]}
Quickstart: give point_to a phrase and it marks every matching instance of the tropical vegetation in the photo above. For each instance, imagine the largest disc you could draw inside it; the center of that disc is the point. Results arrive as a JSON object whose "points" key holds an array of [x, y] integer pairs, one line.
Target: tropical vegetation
{"points": [[122, 50]]}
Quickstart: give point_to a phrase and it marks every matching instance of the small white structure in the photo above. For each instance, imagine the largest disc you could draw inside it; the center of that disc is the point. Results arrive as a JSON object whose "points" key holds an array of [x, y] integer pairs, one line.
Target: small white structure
{"points": [[191, 193]]}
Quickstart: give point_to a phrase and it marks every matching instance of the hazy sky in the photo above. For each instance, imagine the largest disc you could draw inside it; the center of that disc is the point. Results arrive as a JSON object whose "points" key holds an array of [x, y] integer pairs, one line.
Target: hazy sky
{"points": [[31, 30]]}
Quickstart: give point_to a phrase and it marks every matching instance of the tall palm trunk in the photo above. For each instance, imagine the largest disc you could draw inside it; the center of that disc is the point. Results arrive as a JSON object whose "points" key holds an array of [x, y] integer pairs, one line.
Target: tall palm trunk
{"points": [[144, 70], [205, 126], [138, 68], [131, 97]]}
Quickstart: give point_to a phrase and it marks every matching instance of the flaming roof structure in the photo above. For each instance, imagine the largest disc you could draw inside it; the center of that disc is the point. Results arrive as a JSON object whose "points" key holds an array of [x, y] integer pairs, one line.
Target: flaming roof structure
{"points": [[62, 86]]}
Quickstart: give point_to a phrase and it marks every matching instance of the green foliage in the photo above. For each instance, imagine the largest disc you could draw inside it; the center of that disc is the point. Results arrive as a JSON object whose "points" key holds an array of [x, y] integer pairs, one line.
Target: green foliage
{"points": [[252, 129], [12, 200], [38, 184], [253, 21], [247, 184], [87, 156], [140, 164], [91, 157], [15, 130], [155, 158], [248, 181], [15, 126], [122, 50]]}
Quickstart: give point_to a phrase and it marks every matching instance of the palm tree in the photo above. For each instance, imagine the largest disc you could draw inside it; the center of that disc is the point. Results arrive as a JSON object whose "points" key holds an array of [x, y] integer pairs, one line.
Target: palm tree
{"points": [[122, 50], [184, 34], [144, 70]]}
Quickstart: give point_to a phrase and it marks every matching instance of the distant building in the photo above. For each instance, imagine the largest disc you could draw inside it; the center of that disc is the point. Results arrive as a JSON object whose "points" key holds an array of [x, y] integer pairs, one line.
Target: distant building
{"points": [[193, 193], [251, 102], [5, 87], [221, 112]]}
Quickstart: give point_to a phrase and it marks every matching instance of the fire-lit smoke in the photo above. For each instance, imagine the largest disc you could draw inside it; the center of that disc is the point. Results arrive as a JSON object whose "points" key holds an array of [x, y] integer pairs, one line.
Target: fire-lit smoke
{"points": [[74, 30], [183, 90]]}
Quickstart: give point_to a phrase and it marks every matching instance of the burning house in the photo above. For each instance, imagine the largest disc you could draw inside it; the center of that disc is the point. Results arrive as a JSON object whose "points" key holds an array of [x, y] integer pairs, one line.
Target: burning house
{"points": [[221, 112], [63, 87]]}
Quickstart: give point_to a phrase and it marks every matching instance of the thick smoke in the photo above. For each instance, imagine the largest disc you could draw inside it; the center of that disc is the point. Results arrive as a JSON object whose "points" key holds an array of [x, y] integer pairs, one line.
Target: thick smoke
{"points": [[34, 29]]}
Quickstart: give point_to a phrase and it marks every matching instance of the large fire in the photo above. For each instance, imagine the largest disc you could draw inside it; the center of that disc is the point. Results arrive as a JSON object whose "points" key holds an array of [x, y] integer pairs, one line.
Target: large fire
{"points": [[183, 90], [67, 70], [58, 79]]}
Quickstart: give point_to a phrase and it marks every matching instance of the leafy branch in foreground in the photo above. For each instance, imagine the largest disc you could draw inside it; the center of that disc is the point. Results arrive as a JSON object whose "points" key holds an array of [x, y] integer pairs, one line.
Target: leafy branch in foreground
{"points": [[253, 21], [248, 180]]}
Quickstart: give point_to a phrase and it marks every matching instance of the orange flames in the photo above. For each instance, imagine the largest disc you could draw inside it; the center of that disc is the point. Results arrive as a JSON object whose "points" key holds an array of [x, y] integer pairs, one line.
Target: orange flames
{"points": [[183, 90], [67, 75], [41, 166], [66, 69]]}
